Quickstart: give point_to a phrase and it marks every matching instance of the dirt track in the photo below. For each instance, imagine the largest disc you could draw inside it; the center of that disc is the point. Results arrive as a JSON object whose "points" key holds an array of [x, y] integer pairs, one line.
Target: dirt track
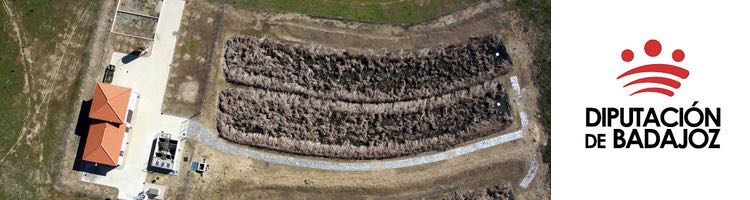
{"points": [[55, 57]]}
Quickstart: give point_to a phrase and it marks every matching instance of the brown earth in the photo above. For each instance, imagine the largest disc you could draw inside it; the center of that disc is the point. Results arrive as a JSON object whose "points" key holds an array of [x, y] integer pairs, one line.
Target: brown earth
{"points": [[206, 27], [232, 177], [60, 75], [100, 49], [497, 192]]}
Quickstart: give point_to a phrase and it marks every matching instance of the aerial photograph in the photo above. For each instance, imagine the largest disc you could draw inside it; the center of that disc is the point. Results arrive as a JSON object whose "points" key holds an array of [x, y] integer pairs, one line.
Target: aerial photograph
{"points": [[275, 99]]}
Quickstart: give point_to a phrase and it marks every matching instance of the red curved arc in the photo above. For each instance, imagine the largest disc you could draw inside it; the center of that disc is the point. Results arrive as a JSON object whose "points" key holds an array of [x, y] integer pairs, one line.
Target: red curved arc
{"points": [[662, 68], [655, 90], [660, 80]]}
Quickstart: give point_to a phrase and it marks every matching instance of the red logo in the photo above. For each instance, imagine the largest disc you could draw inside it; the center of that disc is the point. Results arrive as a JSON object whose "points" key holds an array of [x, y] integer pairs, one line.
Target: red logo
{"points": [[666, 85]]}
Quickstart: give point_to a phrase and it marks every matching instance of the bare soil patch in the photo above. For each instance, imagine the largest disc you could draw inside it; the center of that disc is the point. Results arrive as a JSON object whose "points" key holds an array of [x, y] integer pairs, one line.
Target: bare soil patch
{"points": [[193, 67], [127, 44], [497, 192], [206, 27], [143, 7], [238, 177], [136, 25], [252, 179]]}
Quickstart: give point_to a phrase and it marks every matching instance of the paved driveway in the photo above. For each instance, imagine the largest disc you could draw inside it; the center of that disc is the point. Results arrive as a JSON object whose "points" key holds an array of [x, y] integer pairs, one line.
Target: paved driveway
{"points": [[148, 77]]}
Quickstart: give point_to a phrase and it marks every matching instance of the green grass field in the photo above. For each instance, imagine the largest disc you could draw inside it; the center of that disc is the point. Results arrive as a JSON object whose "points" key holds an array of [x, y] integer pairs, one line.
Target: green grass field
{"points": [[13, 110], [30, 170], [402, 12], [38, 21], [11, 83]]}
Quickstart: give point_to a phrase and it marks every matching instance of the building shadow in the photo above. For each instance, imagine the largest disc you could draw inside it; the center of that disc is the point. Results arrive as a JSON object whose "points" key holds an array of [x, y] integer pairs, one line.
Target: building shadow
{"points": [[502, 52], [130, 57], [151, 160], [82, 125], [82, 130]]}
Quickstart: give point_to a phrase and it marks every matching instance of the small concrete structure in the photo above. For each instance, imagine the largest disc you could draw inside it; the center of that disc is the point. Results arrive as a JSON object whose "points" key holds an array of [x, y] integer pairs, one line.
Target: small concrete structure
{"points": [[163, 155], [153, 191], [199, 167]]}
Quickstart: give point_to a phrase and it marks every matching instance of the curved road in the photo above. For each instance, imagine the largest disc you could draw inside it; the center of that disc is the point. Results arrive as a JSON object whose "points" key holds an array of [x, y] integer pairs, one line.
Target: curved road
{"points": [[199, 133]]}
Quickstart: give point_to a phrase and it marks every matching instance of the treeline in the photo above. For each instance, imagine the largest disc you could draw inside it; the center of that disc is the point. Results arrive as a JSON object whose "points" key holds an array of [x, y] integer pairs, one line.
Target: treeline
{"points": [[356, 77], [336, 129]]}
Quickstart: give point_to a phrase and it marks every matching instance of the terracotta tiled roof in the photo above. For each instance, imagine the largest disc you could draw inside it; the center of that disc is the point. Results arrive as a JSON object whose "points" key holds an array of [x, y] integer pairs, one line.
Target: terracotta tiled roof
{"points": [[103, 143], [110, 103]]}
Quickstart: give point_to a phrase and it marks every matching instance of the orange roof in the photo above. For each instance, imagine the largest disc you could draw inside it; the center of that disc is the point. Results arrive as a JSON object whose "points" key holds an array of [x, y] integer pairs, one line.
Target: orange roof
{"points": [[110, 103], [103, 143]]}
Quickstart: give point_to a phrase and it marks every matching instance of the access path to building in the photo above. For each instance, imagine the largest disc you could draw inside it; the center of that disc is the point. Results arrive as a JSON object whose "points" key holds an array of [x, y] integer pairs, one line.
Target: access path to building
{"points": [[147, 76]]}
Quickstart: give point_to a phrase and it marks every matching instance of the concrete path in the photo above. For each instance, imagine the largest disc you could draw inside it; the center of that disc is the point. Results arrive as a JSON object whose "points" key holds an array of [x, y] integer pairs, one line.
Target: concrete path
{"points": [[197, 132]]}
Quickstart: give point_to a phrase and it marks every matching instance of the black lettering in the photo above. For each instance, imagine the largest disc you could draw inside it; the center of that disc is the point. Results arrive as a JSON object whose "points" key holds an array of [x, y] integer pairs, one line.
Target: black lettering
{"points": [[713, 144], [588, 117], [651, 118], [612, 115], [668, 139], [684, 139], [590, 141], [714, 118], [692, 139], [694, 111], [647, 138], [619, 139], [638, 112], [663, 118], [635, 138]]}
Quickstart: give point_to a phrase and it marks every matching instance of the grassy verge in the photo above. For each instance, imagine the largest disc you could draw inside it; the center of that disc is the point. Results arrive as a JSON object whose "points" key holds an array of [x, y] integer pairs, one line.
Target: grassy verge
{"points": [[11, 83], [536, 14], [31, 169], [190, 46], [377, 11]]}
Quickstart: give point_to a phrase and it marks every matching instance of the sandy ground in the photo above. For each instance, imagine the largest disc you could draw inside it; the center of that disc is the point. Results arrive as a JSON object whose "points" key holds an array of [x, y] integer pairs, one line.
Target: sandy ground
{"points": [[244, 178]]}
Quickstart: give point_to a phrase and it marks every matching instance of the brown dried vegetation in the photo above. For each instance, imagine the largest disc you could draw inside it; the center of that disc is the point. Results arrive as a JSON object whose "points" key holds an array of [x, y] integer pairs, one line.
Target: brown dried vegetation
{"points": [[356, 77], [497, 192], [321, 102]]}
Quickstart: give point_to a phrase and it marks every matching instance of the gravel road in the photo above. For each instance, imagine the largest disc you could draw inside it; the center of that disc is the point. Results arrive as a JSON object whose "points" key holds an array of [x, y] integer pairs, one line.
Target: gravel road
{"points": [[198, 132]]}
